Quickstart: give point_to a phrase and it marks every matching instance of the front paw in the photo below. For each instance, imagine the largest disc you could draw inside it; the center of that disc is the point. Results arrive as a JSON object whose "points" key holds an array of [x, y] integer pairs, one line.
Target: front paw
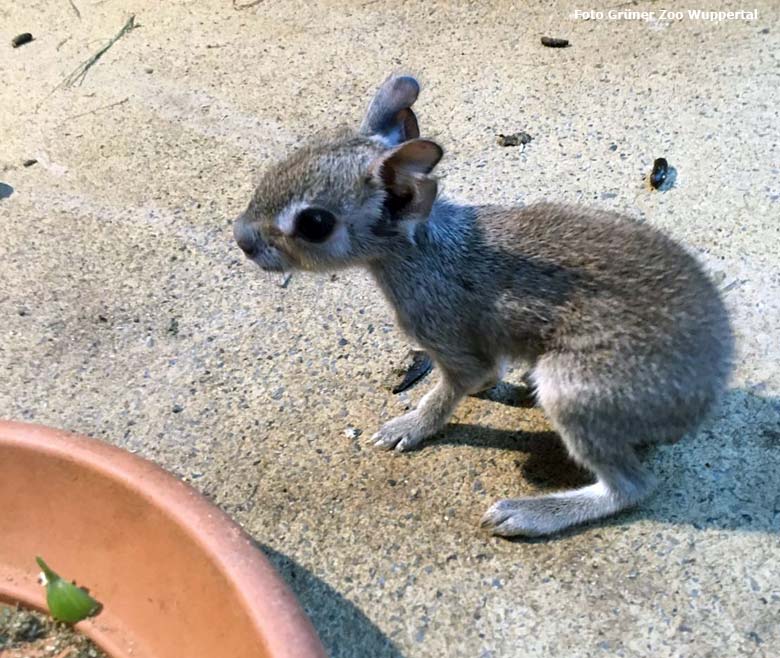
{"points": [[402, 433]]}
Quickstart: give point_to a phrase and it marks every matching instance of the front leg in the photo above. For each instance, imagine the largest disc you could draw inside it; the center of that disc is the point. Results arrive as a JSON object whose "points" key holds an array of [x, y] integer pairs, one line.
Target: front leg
{"points": [[405, 432], [436, 406]]}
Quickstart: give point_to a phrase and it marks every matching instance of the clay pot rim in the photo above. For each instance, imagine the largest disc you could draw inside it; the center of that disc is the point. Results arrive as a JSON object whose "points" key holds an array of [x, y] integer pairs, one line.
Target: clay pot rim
{"points": [[278, 619]]}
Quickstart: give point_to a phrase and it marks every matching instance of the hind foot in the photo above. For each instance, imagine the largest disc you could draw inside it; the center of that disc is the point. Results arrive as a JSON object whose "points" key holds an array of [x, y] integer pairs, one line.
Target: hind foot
{"points": [[546, 515]]}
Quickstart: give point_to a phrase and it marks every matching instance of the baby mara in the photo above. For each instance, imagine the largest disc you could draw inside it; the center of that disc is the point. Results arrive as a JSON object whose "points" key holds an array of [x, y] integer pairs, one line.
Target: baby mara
{"points": [[624, 339]]}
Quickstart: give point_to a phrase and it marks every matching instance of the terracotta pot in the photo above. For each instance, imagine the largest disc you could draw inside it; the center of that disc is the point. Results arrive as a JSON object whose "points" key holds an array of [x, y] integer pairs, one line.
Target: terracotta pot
{"points": [[176, 577]]}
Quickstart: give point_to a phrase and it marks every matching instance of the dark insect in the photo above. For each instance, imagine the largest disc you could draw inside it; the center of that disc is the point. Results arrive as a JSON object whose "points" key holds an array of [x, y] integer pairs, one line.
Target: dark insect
{"points": [[21, 39], [314, 224], [421, 365], [551, 42], [659, 173]]}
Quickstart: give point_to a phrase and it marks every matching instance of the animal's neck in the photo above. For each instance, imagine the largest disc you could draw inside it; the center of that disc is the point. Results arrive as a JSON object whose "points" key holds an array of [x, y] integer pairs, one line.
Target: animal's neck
{"points": [[448, 227], [434, 254]]}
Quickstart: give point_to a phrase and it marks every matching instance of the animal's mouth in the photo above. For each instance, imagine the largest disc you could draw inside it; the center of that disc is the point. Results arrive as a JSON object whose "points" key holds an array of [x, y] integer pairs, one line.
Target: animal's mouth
{"points": [[271, 259], [266, 267]]}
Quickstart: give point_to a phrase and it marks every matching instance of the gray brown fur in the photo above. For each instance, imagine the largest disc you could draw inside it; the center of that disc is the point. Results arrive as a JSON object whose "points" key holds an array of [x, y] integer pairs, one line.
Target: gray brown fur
{"points": [[624, 338]]}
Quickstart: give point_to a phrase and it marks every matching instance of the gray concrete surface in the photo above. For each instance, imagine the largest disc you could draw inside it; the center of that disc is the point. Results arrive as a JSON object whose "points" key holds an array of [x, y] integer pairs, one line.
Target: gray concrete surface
{"points": [[128, 314]]}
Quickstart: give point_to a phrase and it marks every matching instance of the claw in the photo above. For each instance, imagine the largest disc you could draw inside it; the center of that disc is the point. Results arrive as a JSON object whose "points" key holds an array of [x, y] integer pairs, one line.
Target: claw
{"points": [[403, 445], [382, 442], [494, 517]]}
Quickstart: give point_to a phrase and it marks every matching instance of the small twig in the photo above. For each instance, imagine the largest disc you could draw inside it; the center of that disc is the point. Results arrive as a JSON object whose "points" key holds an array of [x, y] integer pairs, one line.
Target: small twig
{"points": [[75, 8], [80, 72], [97, 109], [246, 5], [78, 75]]}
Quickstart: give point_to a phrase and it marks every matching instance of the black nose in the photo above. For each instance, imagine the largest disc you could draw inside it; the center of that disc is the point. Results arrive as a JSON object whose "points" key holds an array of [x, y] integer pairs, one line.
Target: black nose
{"points": [[246, 237]]}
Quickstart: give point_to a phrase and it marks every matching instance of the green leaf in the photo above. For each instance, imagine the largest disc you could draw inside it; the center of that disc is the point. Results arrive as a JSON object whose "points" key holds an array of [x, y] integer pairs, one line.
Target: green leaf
{"points": [[67, 602]]}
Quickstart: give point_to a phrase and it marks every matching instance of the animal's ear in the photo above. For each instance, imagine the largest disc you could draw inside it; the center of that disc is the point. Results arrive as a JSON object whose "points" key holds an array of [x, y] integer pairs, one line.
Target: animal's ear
{"points": [[390, 115], [404, 174]]}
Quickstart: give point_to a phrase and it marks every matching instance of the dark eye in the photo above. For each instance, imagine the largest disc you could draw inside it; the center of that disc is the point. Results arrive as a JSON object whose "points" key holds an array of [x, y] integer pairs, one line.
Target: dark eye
{"points": [[314, 224]]}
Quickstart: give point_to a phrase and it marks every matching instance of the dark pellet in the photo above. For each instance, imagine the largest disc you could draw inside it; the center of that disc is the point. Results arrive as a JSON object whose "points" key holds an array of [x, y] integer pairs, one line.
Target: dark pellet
{"points": [[551, 42], [659, 173], [21, 39]]}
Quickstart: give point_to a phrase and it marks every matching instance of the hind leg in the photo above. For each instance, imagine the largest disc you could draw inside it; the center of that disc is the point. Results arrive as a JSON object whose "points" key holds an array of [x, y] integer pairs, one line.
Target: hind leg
{"points": [[600, 423], [621, 482], [491, 378]]}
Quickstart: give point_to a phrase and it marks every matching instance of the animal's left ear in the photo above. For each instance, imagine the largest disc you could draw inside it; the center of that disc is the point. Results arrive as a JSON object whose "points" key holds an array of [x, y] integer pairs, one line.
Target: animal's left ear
{"points": [[390, 115], [404, 174]]}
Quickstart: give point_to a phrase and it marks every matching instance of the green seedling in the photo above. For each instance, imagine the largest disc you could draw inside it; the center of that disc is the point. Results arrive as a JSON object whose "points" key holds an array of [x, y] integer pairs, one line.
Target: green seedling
{"points": [[67, 602]]}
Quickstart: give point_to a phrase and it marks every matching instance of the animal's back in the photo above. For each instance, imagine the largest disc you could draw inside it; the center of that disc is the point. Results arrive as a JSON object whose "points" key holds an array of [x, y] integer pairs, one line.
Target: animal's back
{"points": [[629, 310]]}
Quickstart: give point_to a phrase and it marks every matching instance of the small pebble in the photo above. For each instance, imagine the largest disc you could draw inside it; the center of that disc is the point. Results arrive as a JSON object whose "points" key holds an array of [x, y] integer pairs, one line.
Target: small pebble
{"points": [[552, 42], [29, 163], [21, 39], [177, 408], [149, 69]]}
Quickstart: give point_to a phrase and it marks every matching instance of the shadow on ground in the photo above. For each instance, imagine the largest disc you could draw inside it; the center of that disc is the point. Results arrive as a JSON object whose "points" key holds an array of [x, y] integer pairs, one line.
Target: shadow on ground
{"points": [[341, 626], [726, 477]]}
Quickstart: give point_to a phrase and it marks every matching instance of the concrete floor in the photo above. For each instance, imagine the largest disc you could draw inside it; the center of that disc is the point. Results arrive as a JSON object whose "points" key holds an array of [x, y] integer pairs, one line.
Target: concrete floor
{"points": [[129, 315]]}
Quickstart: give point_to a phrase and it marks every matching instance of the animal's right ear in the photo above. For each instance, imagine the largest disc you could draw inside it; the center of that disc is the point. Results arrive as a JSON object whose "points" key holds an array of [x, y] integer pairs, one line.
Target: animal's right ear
{"points": [[404, 173], [390, 115]]}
